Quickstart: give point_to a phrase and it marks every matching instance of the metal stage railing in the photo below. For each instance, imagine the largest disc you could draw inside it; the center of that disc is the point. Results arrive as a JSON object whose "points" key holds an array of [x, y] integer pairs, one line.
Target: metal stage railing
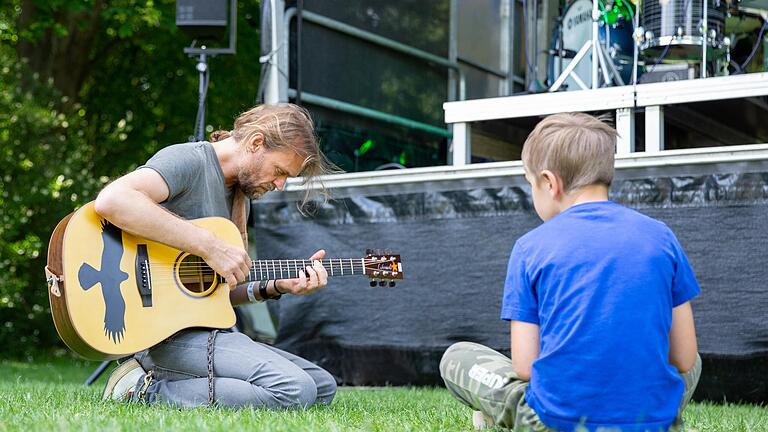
{"points": [[624, 163]]}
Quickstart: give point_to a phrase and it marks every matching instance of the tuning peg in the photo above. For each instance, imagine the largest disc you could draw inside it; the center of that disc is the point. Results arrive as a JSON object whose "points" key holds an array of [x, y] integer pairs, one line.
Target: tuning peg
{"points": [[392, 284], [382, 283], [373, 283]]}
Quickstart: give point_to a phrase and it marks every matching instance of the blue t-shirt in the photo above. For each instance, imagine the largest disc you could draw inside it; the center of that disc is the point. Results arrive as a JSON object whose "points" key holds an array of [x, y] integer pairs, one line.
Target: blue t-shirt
{"points": [[601, 281]]}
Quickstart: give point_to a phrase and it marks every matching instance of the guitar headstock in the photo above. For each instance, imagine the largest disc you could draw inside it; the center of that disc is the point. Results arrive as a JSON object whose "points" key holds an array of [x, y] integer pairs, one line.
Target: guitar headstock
{"points": [[383, 266]]}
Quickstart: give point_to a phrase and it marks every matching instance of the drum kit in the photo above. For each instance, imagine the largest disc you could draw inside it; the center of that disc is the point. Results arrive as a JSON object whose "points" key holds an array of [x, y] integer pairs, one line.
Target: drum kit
{"points": [[633, 38]]}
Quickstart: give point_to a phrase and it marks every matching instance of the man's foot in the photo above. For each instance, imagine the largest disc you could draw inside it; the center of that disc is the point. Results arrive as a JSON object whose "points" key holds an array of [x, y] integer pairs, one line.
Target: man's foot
{"points": [[480, 420], [122, 382]]}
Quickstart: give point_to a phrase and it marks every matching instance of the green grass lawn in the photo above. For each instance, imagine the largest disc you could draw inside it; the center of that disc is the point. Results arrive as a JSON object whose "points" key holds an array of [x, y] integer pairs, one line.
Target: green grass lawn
{"points": [[49, 396]]}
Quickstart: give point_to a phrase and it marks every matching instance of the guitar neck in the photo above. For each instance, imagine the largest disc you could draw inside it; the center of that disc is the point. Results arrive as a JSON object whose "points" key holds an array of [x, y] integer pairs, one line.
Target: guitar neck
{"points": [[289, 269]]}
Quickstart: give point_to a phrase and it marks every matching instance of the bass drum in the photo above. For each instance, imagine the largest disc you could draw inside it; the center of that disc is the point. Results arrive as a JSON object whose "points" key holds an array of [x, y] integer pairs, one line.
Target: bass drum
{"points": [[615, 34]]}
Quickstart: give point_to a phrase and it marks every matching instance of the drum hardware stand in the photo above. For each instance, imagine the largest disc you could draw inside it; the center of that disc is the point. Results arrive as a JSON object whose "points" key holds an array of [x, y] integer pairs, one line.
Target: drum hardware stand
{"points": [[599, 60], [704, 38], [637, 37], [560, 52], [560, 41]]}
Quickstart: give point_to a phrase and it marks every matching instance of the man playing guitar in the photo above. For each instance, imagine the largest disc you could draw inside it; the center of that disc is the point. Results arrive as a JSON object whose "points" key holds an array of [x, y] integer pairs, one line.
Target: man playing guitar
{"points": [[201, 179]]}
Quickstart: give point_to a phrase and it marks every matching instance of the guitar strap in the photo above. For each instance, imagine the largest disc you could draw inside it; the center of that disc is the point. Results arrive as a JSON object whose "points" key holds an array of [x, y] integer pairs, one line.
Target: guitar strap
{"points": [[239, 212], [239, 202]]}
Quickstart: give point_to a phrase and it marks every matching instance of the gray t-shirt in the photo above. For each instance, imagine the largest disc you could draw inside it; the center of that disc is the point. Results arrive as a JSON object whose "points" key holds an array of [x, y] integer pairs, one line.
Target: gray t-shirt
{"points": [[195, 180]]}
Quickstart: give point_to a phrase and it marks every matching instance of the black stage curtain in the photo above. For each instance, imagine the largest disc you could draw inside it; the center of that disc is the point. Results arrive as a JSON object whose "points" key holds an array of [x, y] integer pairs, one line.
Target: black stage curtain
{"points": [[455, 237]]}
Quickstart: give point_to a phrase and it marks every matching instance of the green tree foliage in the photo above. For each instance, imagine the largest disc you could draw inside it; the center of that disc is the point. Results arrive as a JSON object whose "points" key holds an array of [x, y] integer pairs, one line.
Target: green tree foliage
{"points": [[46, 173], [89, 89]]}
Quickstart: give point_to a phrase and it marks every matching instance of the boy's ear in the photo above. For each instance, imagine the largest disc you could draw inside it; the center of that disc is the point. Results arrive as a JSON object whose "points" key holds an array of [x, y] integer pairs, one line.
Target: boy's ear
{"points": [[552, 182]]}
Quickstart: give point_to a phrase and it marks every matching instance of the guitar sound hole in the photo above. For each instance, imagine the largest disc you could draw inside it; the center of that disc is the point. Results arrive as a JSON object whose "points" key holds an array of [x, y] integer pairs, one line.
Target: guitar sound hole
{"points": [[195, 275]]}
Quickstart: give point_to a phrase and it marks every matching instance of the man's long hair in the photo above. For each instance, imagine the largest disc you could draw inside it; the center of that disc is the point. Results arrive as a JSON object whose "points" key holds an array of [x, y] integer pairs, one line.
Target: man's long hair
{"points": [[286, 127]]}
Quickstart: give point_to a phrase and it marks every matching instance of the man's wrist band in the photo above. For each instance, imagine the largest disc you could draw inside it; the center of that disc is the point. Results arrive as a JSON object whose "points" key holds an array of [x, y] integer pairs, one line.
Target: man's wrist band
{"points": [[249, 290]]}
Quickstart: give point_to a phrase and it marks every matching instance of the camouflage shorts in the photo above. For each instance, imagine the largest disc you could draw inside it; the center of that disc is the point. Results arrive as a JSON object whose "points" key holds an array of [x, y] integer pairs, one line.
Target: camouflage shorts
{"points": [[484, 380]]}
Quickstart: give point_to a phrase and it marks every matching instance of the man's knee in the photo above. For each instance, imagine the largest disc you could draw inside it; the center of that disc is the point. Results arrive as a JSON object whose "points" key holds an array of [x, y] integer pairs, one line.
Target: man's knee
{"points": [[326, 387], [295, 391]]}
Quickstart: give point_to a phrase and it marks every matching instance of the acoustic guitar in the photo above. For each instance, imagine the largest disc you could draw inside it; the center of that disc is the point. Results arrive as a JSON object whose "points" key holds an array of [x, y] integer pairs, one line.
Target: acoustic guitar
{"points": [[113, 294]]}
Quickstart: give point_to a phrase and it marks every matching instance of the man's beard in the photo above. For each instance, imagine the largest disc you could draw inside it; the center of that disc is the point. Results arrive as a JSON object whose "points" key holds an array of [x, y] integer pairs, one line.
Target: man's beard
{"points": [[247, 183], [255, 191]]}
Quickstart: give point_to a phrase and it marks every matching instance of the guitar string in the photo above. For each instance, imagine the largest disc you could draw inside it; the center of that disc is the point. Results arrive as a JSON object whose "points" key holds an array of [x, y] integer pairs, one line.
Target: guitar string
{"points": [[269, 267], [271, 273], [285, 264], [193, 268], [270, 262]]}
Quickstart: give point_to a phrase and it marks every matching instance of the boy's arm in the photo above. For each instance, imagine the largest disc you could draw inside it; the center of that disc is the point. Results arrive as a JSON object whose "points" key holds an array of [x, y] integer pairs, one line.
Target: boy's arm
{"points": [[524, 339], [682, 338]]}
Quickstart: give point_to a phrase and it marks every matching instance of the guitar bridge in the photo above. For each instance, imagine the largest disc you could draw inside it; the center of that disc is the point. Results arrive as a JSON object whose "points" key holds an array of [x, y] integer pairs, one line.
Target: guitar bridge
{"points": [[143, 275]]}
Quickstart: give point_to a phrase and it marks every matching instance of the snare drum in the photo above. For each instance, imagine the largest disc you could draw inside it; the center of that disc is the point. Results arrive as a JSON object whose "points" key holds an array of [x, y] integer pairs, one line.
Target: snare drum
{"points": [[678, 24]]}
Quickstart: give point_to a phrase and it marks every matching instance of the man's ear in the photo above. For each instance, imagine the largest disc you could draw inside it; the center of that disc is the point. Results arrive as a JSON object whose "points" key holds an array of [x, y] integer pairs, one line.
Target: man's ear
{"points": [[256, 142]]}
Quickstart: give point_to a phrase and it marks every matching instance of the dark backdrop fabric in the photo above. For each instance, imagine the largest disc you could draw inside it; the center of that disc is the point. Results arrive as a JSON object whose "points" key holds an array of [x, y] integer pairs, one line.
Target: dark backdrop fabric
{"points": [[454, 238]]}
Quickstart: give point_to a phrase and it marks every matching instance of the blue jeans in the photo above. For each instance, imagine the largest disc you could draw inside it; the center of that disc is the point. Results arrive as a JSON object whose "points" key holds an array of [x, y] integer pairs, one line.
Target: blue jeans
{"points": [[246, 373]]}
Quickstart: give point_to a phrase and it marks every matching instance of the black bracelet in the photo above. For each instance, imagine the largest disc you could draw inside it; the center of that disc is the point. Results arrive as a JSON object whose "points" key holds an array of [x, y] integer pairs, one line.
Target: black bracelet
{"points": [[263, 289], [279, 294], [275, 286]]}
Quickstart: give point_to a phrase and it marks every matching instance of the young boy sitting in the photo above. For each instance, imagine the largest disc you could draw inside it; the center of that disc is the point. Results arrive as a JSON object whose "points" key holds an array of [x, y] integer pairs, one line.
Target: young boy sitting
{"points": [[598, 298]]}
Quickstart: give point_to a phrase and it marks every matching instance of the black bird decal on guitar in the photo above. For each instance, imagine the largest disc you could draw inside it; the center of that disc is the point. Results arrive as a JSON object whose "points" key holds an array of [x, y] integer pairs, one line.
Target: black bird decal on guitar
{"points": [[110, 276]]}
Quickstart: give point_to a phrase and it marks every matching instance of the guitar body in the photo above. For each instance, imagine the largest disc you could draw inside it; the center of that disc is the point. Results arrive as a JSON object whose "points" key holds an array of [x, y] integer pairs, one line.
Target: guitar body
{"points": [[117, 294]]}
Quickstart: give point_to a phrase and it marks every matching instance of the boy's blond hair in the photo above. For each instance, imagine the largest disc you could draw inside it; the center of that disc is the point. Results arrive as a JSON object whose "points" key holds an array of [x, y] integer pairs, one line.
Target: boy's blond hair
{"points": [[577, 147]]}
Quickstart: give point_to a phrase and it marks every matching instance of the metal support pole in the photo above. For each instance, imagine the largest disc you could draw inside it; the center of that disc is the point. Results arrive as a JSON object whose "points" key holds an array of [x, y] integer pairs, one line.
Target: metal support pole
{"points": [[654, 128], [461, 144], [97, 373], [636, 39], [505, 87], [453, 47], [625, 127], [535, 42], [514, 45], [202, 69], [272, 88], [704, 25], [595, 17]]}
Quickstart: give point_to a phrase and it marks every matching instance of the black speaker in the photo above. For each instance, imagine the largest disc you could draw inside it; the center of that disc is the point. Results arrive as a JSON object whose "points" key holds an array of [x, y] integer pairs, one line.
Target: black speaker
{"points": [[202, 19]]}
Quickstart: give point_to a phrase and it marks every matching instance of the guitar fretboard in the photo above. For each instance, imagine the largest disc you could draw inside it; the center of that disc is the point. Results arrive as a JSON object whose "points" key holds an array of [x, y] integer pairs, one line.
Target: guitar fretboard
{"points": [[289, 269]]}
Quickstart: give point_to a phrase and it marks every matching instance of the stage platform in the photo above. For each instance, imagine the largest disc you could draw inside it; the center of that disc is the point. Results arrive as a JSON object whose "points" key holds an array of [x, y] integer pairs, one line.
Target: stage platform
{"points": [[708, 112]]}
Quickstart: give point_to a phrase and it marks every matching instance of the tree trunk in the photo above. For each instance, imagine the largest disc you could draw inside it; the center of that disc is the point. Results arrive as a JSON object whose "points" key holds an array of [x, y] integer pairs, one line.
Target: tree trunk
{"points": [[66, 58]]}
